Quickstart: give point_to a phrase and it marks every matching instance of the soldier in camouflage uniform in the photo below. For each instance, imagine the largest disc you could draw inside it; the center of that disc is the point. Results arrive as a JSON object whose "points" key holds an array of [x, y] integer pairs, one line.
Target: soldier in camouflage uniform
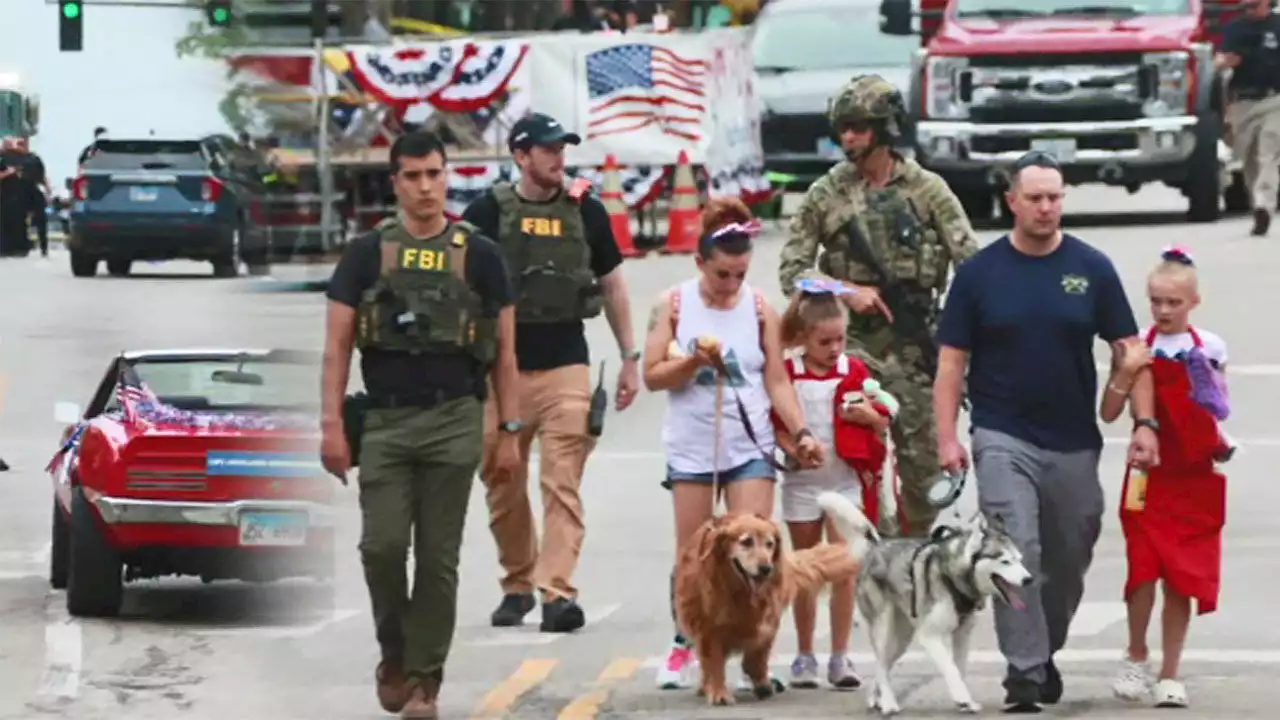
{"points": [[892, 230]]}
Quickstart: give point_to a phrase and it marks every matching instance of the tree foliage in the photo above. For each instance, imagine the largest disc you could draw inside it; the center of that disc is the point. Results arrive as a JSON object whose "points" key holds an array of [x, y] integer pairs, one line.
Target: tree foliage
{"points": [[205, 41]]}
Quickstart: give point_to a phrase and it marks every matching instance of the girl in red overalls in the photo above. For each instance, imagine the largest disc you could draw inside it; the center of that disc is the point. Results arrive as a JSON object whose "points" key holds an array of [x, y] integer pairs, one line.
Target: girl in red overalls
{"points": [[815, 324], [1173, 514]]}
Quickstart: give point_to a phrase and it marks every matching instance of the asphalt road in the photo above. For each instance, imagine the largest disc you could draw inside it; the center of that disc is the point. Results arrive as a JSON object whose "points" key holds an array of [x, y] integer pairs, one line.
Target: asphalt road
{"points": [[263, 652]]}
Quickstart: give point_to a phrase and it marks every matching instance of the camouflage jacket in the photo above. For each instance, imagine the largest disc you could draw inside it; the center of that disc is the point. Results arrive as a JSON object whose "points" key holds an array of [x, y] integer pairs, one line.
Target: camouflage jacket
{"points": [[914, 225]]}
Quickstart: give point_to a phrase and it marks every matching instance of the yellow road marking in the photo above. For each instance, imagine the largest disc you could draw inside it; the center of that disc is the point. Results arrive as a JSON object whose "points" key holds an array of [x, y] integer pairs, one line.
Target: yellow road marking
{"points": [[505, 694], [587, 706]]}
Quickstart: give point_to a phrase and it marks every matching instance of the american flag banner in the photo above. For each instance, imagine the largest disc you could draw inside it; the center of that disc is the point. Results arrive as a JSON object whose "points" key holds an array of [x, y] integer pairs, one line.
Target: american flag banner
{"points": [[634, 86]]}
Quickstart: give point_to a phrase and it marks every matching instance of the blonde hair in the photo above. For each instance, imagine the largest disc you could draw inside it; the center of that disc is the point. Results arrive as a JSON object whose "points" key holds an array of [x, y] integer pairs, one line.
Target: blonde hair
{"points": [[807, 310], [1176, 264]]}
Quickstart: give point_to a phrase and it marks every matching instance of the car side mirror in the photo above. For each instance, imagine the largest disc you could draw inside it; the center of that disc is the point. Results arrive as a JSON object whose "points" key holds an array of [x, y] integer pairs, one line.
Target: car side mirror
{"points": [[67, 413], [895, 17]]}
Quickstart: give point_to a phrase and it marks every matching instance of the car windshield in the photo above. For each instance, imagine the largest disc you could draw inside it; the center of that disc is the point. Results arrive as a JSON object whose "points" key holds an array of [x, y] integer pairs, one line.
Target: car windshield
{"points": [[232, 385], [825, 40], [1011, 9], [147, 155]]}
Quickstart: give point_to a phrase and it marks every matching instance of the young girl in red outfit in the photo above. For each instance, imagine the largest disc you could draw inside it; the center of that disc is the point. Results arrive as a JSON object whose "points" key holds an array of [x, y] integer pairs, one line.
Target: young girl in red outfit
{"points": [[1173, 514], [815, 322]]}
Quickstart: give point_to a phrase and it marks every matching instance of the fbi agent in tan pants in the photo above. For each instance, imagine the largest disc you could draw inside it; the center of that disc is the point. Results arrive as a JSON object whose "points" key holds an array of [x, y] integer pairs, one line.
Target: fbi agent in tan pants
{"points": [[566, 268]]}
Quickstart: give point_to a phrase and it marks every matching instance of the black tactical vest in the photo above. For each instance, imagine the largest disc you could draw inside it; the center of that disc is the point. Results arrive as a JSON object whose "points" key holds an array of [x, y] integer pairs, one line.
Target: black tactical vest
{"points": [[546, 249], [422, 303]]}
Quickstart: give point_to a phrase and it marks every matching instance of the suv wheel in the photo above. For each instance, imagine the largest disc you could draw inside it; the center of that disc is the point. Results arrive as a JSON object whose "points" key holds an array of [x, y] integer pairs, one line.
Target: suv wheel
{"points": [[119, 267], [83, 264]]}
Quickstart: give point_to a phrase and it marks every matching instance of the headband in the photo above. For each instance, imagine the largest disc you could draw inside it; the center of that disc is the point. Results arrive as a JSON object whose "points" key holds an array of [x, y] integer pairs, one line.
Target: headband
{"points": [[822, 286], [1176, 254], [750, 229]]}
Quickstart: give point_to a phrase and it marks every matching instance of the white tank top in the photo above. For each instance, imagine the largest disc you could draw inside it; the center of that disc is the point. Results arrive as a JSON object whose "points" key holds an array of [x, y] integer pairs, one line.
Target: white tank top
{"points": [[688, 431]]}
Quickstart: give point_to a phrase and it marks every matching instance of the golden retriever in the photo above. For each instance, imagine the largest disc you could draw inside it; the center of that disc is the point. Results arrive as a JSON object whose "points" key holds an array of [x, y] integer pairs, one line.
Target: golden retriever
{"points": [[733, 583]]}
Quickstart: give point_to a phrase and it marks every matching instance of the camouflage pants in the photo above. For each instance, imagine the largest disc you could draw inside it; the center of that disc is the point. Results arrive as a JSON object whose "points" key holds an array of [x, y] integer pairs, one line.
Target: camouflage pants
{"points": [[915, 445]]}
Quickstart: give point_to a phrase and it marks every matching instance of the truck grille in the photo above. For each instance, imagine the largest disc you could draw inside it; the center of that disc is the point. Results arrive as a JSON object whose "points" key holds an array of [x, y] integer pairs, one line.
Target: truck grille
{"points": [[793, 133], [1042, 88], [1107, 141]]}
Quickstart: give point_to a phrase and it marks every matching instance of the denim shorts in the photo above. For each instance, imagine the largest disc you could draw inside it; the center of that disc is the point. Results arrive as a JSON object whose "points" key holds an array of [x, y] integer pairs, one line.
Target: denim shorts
{"points": [[758, 468]]}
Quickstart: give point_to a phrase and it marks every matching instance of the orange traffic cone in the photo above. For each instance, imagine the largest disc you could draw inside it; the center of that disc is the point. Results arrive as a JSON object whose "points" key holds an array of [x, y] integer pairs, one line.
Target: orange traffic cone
{"points": [[619, 216], [683, 221]]}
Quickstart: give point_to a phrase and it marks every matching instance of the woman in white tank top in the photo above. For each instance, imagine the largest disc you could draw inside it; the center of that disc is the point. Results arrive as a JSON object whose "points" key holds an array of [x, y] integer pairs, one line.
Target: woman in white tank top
{"points": [[718, 303]]}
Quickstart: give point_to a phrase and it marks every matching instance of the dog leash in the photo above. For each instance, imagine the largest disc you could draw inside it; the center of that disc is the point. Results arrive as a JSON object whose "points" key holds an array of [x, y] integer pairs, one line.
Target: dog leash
{"points": [[717, 435]]}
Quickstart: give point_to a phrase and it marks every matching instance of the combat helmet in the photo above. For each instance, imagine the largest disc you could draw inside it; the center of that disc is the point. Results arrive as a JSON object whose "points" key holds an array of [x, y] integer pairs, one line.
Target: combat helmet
{"points": [[869, 98]]}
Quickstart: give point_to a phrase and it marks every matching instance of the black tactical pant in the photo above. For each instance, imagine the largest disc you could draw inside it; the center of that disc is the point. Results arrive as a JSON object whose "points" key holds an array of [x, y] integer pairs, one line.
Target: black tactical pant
{"points": [[417, 467], [13, 225], [39, 213]]}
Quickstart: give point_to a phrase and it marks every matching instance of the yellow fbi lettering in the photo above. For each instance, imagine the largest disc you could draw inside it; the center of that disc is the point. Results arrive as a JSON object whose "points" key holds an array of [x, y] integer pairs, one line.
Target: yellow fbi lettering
{"points": [[542, 227], [422, 259]]}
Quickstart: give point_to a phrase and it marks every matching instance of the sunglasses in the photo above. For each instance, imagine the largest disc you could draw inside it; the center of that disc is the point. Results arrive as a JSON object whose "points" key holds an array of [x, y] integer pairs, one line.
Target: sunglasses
{"points": [[1036, 158]]}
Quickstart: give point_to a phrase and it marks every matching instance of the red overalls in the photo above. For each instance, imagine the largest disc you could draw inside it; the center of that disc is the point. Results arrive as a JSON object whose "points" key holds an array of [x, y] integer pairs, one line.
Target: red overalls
{"points": [[1175, 532]]}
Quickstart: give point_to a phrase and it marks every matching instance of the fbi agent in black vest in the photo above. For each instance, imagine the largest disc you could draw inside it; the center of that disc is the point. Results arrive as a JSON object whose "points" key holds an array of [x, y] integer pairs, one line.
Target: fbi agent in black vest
{"points": [[430, 306], [1251, 48]]}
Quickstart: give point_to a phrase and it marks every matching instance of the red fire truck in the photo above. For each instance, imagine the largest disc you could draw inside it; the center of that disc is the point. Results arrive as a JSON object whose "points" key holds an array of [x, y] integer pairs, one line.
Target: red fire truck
{"points": [[1123, 92]]}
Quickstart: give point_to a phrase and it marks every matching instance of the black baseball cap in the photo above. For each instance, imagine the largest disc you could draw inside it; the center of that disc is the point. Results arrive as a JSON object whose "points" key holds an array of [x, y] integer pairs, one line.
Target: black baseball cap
{"points": [[539, 129]]}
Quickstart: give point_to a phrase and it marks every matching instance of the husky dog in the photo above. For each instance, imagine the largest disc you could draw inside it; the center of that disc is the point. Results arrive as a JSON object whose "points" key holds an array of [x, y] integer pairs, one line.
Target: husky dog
{"points": [[929, 590]]}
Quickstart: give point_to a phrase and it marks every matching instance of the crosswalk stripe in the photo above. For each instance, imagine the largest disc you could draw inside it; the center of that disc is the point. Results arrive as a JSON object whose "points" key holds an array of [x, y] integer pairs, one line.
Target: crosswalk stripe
{"points": [[1063, 657], [587, 706], [499, 701]]}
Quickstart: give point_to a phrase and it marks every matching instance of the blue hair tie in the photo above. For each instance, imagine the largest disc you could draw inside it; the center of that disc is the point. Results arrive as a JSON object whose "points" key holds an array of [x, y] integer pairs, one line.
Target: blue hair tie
{"points": [[822, 286]]}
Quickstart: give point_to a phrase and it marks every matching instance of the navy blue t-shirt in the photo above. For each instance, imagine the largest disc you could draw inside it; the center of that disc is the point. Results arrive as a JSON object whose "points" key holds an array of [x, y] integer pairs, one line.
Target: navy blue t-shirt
{"points": [[1029, 324]]}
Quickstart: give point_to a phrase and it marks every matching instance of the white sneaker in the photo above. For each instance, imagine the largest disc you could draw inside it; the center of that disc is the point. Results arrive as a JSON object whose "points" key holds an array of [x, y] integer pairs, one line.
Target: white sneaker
{"points": [[1133, 682], [676, 669], [804, 672], [1170, 693]]}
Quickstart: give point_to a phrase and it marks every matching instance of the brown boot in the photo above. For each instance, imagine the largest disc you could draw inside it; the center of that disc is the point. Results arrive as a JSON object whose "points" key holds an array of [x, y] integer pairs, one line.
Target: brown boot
{"points": [[393, 691], [422, 701]]}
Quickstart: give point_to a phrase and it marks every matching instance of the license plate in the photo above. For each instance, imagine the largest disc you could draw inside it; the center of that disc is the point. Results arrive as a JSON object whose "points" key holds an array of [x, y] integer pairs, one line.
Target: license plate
{"points": [[273, 529], [140, 193], [1064, 149], [829, 150]]}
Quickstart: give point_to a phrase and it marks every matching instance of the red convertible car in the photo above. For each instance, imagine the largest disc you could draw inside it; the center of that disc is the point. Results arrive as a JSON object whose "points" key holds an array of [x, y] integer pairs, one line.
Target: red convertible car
{"points": [[200, 463]]}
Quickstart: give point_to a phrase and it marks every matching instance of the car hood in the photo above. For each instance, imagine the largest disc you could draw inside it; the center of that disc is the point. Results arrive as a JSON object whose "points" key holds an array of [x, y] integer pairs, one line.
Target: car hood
{"points": [[805, 92], [979, 35]]}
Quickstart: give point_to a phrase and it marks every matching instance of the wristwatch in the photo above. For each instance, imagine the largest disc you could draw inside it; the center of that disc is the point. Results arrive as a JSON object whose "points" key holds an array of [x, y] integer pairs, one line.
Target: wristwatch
{"points": [[630, 355], [1149, 423], [511, 426]]}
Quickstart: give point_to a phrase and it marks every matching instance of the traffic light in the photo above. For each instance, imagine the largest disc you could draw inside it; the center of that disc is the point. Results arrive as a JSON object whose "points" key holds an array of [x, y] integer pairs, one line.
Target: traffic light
{"points": [[70, 25], [319, 19], [218, 12]]}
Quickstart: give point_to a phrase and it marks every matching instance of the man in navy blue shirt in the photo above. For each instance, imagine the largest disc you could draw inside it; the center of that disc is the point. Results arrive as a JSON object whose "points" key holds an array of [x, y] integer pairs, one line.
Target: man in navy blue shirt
{"points": [[1022, 315]]}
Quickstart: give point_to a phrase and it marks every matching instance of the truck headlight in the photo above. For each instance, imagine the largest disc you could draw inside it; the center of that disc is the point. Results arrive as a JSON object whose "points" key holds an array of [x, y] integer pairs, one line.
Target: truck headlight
{"points": [[1168, 83], [942, 88]]}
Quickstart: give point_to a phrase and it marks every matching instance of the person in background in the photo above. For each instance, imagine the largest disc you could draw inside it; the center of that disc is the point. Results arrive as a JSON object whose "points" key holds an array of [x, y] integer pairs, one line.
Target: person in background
{"points": [[36, 180], [1251, 49], [99, 133], [566, 268], [14, 202]]}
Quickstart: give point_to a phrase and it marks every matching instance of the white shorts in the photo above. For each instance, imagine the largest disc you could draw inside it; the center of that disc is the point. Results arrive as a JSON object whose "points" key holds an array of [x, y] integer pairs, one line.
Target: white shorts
{"points": [[800, 499]]}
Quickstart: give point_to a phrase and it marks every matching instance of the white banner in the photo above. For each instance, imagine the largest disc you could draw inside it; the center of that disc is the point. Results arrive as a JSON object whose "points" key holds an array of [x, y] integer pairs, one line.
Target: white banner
{"points": [[646, 97]]}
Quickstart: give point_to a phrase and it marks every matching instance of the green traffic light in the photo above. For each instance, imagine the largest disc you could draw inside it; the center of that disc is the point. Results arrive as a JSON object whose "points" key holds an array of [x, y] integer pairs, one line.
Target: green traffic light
{"points": [[71, 11], [220, 16]]}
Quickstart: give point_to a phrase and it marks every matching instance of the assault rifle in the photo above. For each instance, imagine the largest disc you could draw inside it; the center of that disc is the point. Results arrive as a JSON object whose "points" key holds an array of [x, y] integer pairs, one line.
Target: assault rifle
{"points": [[909, 323]]}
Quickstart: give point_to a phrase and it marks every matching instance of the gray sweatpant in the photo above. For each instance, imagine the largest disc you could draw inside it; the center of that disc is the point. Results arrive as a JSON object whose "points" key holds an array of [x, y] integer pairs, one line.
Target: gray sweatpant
{"points": [[1052, 504]]}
